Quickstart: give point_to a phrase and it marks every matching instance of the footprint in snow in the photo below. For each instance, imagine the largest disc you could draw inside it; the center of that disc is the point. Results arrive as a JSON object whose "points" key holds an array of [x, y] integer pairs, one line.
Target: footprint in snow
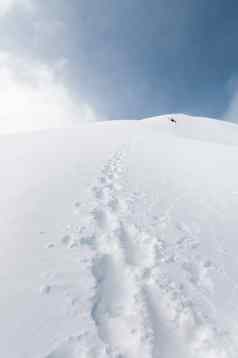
{"points": [[98, 192], [45, 290], [199, 274], [50, 245], [77, 204], [101, 218], [69, 242], [114, 204]]}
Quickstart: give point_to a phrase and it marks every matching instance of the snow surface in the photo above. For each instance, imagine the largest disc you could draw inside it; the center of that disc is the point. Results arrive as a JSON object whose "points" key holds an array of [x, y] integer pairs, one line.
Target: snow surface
{"points": [[119, 239]]}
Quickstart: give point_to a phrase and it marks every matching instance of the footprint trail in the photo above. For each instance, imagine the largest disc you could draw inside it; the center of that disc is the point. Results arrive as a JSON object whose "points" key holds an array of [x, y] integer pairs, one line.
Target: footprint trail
{"points": [[137, 307]]}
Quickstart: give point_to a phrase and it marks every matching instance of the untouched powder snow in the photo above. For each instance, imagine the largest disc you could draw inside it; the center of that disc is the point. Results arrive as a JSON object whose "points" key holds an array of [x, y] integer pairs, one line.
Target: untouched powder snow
{"points": [[120, 240]]}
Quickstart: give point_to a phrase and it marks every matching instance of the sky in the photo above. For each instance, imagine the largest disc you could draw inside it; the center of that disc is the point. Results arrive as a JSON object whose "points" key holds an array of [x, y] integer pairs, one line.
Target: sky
{"points": [[64, 62]]}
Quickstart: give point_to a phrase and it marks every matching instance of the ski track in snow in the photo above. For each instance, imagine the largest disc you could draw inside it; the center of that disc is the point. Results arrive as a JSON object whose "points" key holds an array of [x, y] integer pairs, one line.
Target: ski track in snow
{"points": [[135, 304]]}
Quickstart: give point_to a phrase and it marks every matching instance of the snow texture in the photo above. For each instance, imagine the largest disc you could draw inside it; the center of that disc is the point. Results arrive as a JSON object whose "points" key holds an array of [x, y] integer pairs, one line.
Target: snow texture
{"points": [[119, 240]]}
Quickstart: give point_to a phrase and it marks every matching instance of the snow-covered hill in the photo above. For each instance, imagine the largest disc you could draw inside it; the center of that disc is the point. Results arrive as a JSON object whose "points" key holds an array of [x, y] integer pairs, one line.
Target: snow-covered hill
{"points": [[119, 240]]}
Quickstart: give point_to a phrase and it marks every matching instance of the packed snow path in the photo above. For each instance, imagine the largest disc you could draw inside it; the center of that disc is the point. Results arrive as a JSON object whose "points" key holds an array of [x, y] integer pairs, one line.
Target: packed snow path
{"points": [[144, 264]]}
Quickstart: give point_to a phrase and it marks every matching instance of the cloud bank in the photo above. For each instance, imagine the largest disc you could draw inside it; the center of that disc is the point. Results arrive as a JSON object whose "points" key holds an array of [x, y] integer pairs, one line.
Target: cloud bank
{"points": [[33, 97], [33, 93]]}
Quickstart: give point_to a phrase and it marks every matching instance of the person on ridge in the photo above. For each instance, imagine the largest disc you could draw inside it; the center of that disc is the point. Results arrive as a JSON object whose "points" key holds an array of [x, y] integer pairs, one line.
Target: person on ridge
{"points": [[173, 120]]}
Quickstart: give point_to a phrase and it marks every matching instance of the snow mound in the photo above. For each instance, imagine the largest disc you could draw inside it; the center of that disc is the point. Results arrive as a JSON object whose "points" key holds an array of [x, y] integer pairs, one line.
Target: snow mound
{"points": [[197, 128], [119, 240]]}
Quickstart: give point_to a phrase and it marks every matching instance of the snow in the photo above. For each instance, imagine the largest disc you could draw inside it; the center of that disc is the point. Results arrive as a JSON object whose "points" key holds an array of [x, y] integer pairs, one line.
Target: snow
{"points": [[119, 240]]}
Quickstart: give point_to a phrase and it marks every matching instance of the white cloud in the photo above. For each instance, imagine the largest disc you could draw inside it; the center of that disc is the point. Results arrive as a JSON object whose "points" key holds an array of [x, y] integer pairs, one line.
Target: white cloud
{"points": [[33, 92], [32, 96], [231, 113], [7, 5]]}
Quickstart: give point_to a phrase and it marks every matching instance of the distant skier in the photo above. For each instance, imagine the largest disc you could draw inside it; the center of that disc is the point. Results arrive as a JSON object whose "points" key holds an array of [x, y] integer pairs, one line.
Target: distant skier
{"points": [[173, 120]]}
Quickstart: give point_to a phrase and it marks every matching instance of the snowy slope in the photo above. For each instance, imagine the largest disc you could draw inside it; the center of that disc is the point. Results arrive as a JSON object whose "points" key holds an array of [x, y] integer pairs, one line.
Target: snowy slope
{"points": [[119, 240]]}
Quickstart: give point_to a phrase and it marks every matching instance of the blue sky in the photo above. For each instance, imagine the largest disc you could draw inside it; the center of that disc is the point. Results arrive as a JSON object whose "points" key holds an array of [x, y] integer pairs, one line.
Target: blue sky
{"points": [[129, 58]]}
